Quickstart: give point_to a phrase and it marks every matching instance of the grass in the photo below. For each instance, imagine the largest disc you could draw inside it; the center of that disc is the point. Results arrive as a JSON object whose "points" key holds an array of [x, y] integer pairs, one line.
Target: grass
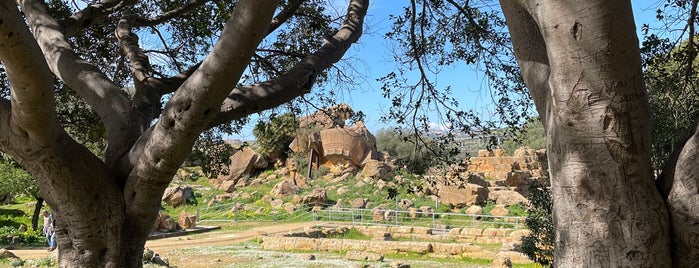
{"points": [[352, 233]]}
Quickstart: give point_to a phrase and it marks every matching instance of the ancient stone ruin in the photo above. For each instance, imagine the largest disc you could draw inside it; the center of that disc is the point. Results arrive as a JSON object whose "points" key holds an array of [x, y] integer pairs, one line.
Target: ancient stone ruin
{"points": [[492, 176], [327, 142]]}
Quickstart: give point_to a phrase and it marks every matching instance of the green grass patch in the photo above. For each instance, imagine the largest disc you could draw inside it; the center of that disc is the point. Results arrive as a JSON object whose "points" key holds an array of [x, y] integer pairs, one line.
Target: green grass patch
{"points": [[352, 233]]}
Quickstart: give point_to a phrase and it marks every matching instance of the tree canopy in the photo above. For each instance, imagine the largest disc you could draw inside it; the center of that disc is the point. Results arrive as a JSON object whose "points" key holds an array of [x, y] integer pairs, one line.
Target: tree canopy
{"points": [[145, 79]]}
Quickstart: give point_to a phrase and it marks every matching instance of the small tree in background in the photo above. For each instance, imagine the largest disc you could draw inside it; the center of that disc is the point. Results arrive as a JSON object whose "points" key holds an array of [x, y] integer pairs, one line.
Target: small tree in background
{"points": [[531, 135], [414, 158], [539, 244], [17, 181], [273, 137]]}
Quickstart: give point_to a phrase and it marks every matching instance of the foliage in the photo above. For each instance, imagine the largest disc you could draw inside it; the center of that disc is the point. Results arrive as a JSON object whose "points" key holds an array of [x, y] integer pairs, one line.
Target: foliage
{"points": [[432, 36], [531, 135], [407, 151], [673, 88], [539, 244], [212, 153], [273, 137], [28, 237], [15, 180], [352, 233]]}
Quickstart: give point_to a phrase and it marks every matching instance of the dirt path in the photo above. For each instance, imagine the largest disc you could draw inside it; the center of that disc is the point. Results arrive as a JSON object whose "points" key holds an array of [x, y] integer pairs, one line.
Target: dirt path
{"points": [[214, 238]]}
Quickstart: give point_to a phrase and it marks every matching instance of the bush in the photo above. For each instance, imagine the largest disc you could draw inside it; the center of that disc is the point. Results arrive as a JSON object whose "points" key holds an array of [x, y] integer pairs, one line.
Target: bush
{"points": [[539, 244]]}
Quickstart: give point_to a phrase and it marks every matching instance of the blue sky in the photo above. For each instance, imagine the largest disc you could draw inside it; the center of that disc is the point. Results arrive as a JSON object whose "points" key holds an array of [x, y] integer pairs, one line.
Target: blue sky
{"points": [[372, 57]]}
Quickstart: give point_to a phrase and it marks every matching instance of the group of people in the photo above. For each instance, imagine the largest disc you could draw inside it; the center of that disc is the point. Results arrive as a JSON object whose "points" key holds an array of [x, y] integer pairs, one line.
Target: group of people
{"points": [[49, 230]]}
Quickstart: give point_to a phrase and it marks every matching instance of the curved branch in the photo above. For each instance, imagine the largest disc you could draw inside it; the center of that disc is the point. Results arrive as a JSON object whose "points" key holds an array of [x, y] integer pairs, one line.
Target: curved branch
{"points": [[165, 145], [162, 18], [146, 98], [247, 100], [31, 82], [679, 185], [92, 14], [284, 15], [113, 107]]}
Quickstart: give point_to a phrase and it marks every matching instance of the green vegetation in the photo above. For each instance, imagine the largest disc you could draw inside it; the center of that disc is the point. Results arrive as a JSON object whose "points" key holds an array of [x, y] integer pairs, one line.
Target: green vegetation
{"points": [[352, 233], [539, 244], [273, 137], [531, 135], [409, 152]]}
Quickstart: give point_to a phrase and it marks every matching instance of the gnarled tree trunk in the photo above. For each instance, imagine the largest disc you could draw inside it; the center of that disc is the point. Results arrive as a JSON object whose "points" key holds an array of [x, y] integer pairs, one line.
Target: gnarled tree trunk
{"points": [[105, 208], [581, 61]]}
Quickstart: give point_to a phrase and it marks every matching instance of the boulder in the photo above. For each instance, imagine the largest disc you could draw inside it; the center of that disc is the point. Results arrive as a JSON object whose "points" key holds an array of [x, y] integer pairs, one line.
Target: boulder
{"points": [[377, 214], [414, 213], [317, 197], [168, 225], [378, 170], [474, 210], [276, 203], [289, 208], [507, 197], [405, 204], [499, 210], [177, 195], [427, 211], [228, 186], [359, 203], [342, 190], [462, 196], [186, 221], [6, 254], [284, 188], [243, 162]]}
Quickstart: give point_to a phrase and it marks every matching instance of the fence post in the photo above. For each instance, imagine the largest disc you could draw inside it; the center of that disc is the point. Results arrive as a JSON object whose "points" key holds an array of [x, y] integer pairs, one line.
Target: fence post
{"points": [[434, 213]]}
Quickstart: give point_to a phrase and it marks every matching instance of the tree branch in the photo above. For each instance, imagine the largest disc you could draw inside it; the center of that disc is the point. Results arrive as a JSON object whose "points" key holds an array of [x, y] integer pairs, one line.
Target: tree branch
{"points": [[679, 185], [92, 14], [146, 98], [113, 107], [530, 51], [162, 18], [299, 80], [284, 15], [165, 145], [31, 82]]}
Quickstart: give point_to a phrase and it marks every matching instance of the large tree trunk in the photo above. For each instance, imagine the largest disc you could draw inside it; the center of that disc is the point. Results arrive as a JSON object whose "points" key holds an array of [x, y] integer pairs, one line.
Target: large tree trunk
{"points": [[679, 184], [104, 209], [581, 61]]}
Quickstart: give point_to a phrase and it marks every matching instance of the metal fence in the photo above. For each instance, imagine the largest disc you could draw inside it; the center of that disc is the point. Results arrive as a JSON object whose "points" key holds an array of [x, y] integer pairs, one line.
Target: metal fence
{"points": [[437, 221]]}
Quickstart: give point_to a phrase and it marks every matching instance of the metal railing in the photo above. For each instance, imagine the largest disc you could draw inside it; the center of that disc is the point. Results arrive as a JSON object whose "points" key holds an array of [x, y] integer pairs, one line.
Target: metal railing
{"points": [[437, 221]]}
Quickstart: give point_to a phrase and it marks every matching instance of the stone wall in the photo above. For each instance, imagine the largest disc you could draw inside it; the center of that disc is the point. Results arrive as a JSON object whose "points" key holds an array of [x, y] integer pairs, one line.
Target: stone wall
{"points": [[312, 240], [498, 166]]}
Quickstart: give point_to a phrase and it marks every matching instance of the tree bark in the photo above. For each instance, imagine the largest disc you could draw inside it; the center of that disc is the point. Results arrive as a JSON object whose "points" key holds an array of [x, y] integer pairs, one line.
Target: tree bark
{"points": [[37, 212], [679, 184], [104, 209], [606, 210]]}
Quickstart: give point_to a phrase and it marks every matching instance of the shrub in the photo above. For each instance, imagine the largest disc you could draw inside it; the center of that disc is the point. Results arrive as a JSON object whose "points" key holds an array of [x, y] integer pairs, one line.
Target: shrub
{"points": [[539, 244]]}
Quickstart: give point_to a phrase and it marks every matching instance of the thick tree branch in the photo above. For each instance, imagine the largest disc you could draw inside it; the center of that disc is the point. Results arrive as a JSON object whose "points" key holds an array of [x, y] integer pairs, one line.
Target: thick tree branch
{"points": [[531, 54], [679, 184], [299, 80], [163, 148], [30, 79], [112, 106], [284, 15], [92, 14], [162, 18], [146, 98]]}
